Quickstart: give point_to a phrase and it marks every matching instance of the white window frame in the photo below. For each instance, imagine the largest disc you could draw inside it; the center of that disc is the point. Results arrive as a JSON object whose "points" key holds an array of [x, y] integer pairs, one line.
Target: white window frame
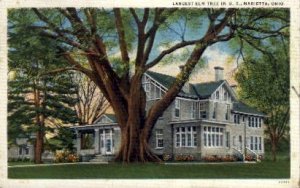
{"points": [[193, 110], [203, 106], [236, 118], [217, 95], [186, 135], [177, 107], [213, 136], [214, 115], [227, 113], [256, 143], [159, 136]]}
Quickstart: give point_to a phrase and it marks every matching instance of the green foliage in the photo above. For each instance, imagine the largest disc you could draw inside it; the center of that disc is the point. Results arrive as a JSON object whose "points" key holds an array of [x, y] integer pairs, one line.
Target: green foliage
{"points": [[264, 83], [28, 61]]}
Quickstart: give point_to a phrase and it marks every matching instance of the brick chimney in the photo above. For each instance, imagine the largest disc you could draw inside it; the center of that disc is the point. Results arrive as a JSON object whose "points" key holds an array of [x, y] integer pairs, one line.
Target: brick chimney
{"points": [[219, 73]]}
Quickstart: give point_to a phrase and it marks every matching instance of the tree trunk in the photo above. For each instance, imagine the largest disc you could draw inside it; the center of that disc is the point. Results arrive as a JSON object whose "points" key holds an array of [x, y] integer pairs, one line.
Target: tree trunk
{"points": [[134, 146], [134, 138], [274, 146], [38, 149]]}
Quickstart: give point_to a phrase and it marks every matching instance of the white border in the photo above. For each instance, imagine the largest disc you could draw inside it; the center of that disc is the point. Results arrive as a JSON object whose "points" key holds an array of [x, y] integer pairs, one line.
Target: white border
{"points": [[294, 78]]}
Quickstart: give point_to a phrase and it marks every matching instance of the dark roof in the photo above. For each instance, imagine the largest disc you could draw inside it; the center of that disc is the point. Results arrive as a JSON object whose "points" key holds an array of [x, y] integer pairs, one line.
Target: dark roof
{"points": [[163, 79], [112, 117], [243, 108], [204, 90], [201, 90]]}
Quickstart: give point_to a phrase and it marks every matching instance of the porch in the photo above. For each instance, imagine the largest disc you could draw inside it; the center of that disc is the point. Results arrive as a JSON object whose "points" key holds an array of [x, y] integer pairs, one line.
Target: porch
{"points": [[97, 139]]}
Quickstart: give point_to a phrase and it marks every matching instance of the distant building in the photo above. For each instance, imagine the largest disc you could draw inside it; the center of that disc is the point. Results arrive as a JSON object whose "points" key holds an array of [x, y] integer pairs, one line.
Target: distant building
{"points": [[22, 149]]}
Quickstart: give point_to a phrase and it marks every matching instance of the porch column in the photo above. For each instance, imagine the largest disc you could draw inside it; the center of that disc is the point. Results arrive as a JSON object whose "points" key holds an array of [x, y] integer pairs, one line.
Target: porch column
{"points": [[96, 140], [78, 141]]}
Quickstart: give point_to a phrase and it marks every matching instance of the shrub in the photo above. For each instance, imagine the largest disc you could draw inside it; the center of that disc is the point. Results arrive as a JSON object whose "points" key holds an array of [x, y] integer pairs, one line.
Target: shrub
{"points": [[183, 157], [249, 158], [65, 157], [228, 158], [214, 158], [167, 157]]}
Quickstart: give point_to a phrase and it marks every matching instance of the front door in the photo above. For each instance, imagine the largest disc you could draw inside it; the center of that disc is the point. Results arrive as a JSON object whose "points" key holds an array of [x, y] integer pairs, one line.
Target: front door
{"points": [[106, 140]]}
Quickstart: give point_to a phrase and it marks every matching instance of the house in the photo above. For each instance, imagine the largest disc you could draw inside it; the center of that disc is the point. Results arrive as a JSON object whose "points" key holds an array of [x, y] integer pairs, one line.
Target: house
{"points": [[205, 119], [22, 149]]}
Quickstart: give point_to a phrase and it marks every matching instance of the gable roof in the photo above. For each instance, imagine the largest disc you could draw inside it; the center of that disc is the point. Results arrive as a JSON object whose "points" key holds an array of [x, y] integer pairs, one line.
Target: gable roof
{"points": [[243, 108], [112, 117], [204, 90], [167, 81]]}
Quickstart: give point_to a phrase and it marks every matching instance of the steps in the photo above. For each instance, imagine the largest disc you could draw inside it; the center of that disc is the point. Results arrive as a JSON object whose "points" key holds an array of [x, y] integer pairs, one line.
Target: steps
{"points": [[102, 158]]}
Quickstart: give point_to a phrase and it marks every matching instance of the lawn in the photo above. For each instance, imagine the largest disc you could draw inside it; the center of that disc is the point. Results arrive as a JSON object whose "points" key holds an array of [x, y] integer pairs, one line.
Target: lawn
{"points": [[266, 169]]}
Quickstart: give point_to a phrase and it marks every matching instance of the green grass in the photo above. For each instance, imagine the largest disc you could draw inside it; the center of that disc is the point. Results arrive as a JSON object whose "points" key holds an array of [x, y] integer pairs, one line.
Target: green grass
{"points": [[19, 163], [266, 169]]}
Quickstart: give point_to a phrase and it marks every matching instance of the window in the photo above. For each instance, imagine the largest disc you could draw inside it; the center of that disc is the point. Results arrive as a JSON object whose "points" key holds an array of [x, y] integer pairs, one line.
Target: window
{"points": [[214, 110], [159, 138], [225, 95], [217, 95], [186, 136], [177, 108], [147, 90], [227, 112], [227, 139], [177, 137], [256, 143], [203, 110], [254, 122], [20, 150], [236, 118], [87, 140], [213, 136], [193, 110], [157, 93]]}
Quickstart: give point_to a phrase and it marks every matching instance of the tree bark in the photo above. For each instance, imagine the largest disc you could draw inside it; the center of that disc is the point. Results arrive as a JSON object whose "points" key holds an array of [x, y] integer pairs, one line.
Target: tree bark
{"points": [[274, 145], [38, 149], [134, 139]]}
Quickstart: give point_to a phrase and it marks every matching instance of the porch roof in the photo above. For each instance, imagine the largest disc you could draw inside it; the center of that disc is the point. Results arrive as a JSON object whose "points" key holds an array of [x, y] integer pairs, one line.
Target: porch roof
{"points": [[94, 126]]}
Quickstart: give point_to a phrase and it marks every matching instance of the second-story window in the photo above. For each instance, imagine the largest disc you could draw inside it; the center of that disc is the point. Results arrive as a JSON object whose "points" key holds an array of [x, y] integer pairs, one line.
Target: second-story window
{"points": [[177, 108], [157, 92], [236, 118], [217, 95], [225, 95], [203, 110], [193, 110], [227, 112], [214, 111]]}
